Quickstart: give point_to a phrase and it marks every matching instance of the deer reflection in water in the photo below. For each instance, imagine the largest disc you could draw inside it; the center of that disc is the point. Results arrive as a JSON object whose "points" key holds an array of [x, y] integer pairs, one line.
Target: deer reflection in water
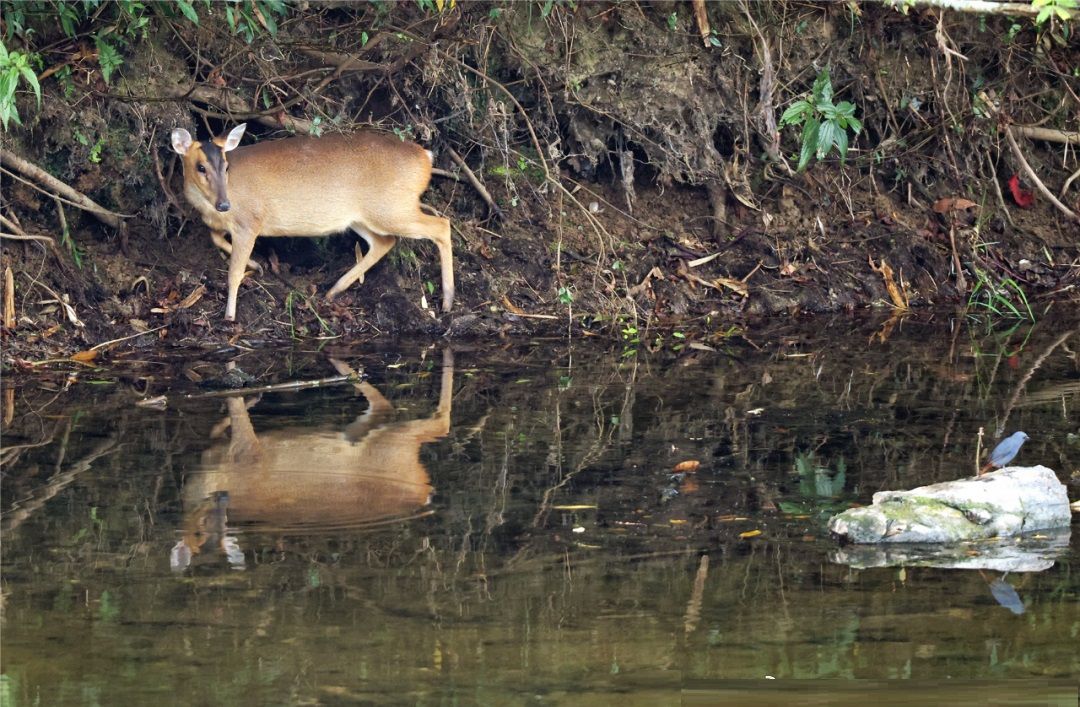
{"points": [[301, 479]]}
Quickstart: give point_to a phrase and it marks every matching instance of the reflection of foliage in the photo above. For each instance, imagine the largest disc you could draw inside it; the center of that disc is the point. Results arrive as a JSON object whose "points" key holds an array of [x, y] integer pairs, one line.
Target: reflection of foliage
{"points": [[818, 481], [818, 485], [107, 609]]}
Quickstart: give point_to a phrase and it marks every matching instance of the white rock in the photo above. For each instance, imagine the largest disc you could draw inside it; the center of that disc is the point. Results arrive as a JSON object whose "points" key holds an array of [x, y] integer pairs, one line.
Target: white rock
{"points": [[1006, 502]]}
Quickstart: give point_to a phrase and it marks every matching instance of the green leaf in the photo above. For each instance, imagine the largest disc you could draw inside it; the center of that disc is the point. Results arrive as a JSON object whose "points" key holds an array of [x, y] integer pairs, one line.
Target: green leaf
{"points": [[827, 135], [809, 142], [188, 10], [855, 124], [31, 78], [796, 113], [823, 87], [8, 81], [108, 58], [842, 145]]}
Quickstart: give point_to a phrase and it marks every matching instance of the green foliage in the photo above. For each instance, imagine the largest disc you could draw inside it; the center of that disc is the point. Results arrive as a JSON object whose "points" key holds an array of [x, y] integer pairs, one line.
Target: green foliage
{"points": [[293, 301], [1061, 9], [436, 6], [14, 69], [1005, 299], [825, 124], [246, 16], [549, 5], [109, 57], [188, 9]]}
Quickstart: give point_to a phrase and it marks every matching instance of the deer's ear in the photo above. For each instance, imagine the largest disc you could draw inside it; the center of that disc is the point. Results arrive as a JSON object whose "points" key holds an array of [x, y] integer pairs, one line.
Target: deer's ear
{"points": [[233, 138], [181, 141]]}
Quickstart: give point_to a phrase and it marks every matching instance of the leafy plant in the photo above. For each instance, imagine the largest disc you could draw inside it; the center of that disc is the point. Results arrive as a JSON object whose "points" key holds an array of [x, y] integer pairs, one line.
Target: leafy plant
{"points": [[631, 340], [14, 69], [1060, 9], [825, 124], [109, 58], [246, 16], [1003, 299], [549, 5]]}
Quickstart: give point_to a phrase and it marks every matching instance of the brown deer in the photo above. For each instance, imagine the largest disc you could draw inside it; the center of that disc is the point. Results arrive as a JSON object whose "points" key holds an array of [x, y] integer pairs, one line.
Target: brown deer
{"points": [[310, 478], [305, 186]]}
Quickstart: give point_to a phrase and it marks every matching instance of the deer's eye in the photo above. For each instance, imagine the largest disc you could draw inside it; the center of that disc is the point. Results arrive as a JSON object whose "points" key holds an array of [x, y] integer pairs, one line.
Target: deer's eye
{"points": [[201, 167]]}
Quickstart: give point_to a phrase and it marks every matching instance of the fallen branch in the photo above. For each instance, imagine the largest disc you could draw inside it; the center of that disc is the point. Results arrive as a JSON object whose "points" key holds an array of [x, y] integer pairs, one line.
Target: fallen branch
{"points": [[1065, 137], [480, 189], [236, 109], [981, 7], [136, 335], [32, 171], [1035, 178], [28, 237]]}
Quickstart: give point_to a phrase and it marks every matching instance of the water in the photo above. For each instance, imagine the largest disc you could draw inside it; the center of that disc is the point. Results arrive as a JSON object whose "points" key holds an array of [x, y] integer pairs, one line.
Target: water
{"points": [[504, 524]]}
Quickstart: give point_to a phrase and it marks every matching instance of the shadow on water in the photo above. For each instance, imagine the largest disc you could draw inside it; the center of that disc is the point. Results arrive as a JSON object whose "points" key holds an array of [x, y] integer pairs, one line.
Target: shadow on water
{"points": [[531, 523]]}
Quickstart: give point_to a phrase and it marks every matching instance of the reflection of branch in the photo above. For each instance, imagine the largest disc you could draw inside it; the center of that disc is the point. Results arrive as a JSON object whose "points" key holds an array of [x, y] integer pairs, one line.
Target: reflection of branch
{"points": [[1054, 393], [291, 385], [20, 511], [1022, 383], [559, 560]]}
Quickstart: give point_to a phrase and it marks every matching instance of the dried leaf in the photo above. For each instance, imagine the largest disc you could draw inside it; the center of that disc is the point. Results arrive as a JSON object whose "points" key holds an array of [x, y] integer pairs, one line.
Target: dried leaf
{"points": [[750, 534], [952, 203], [84, 356], [9, 299], [702, 261], [735, 285], [194, 297], [510, 307], [687, 467], [702, 18]]}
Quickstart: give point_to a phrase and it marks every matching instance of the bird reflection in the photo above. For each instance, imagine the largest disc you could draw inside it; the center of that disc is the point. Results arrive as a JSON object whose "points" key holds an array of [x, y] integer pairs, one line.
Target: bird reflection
{"points": [[1004, 594]]}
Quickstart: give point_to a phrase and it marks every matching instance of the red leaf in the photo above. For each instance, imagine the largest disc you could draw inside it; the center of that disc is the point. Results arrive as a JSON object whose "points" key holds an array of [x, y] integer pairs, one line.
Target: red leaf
{"points": [[1021, 196]]}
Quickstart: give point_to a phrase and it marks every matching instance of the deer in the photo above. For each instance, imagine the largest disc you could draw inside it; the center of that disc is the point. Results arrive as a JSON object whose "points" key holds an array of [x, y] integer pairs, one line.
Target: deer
{"points": [[303, 478], [367, 181]]}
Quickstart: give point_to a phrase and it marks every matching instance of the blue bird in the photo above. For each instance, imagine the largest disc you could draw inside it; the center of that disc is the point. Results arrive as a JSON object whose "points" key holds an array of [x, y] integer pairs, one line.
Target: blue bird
{"points": [[1005, 451]]}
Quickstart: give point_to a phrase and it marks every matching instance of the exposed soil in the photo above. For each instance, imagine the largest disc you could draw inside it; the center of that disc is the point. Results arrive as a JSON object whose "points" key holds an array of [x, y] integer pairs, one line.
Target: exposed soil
{"points": [[659, 152]]}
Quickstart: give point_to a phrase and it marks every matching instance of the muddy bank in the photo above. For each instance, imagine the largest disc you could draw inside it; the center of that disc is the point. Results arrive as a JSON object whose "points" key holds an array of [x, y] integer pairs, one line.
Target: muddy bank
{"points": [[638, 176]]}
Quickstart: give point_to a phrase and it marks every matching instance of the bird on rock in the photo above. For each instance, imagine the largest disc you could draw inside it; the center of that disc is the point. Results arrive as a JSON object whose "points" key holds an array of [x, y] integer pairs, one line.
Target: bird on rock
{"points": [[1005, 451]]}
